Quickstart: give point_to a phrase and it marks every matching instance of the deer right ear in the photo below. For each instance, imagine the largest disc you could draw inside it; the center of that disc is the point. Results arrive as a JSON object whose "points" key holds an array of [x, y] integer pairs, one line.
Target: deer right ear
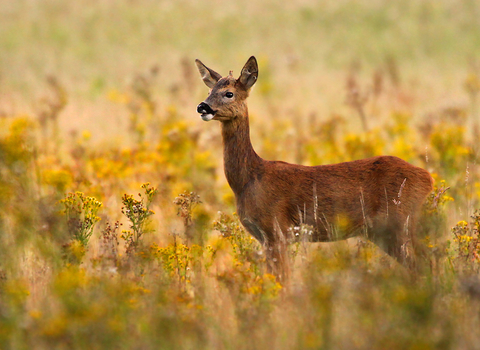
{"points": [[209, 76], [249, 73]]}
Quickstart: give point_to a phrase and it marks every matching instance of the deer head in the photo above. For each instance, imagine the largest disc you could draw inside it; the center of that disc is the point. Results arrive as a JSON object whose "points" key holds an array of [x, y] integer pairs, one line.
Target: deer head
{"points": [[226, 100]]}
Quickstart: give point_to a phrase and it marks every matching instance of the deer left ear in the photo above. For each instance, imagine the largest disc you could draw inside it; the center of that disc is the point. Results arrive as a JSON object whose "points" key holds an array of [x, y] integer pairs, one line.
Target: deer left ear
{"points": [[249, 74], [209, 76]]}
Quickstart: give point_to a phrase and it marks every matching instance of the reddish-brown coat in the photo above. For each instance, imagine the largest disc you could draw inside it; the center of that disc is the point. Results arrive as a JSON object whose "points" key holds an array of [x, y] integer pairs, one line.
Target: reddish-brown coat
{"points": [[378, 196]]}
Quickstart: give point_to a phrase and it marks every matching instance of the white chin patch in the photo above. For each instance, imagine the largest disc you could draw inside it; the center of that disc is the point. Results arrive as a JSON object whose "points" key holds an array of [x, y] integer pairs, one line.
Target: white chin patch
{"points": [[207, 117]]}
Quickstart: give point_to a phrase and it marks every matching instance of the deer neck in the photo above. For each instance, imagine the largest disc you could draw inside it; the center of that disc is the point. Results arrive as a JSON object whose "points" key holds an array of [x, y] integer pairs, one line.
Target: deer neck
{"points": [[240, 160]]}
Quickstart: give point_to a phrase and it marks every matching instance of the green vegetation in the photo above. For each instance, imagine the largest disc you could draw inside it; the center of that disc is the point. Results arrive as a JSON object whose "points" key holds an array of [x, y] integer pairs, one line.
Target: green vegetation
{"points": [[117, 226]]}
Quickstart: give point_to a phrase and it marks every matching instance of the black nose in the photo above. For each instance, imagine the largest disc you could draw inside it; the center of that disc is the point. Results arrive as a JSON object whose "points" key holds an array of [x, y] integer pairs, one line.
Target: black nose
{"points": [[203, 108]]}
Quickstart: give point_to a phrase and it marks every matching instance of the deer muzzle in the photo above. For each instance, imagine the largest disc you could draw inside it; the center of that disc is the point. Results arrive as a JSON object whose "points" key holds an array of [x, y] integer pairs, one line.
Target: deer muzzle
{"points": [[207, 113]]}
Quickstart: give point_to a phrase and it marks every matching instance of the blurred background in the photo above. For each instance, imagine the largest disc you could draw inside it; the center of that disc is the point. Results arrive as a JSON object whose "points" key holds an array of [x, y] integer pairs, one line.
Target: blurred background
{"points": [[100, 96], [306, 51]]}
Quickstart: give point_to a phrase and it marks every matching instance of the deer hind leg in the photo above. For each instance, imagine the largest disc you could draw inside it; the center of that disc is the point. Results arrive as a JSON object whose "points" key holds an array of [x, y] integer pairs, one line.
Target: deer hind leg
{"points": [[396, 237]]}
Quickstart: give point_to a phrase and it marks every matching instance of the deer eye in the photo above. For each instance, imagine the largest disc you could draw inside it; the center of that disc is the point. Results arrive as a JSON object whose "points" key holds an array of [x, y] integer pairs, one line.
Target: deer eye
{"points": [[229, 94]]}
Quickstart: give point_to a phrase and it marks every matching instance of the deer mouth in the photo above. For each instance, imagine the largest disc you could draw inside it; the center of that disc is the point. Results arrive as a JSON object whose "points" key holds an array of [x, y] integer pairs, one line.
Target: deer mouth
{"points": [[206, 112], [207, 117]]}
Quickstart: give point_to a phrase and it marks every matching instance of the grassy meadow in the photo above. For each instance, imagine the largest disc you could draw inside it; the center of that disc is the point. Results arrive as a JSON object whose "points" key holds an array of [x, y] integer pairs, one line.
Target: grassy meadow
{"points": [[117, 226]]}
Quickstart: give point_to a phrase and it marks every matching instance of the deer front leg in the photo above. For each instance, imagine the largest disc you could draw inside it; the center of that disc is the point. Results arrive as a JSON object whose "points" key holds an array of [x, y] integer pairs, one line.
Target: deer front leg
{"points": [[277, 260], [276, 248]]}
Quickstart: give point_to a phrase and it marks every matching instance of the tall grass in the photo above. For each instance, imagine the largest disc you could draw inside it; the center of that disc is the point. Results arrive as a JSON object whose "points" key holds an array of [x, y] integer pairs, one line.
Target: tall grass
{"points": [[97, 98]]}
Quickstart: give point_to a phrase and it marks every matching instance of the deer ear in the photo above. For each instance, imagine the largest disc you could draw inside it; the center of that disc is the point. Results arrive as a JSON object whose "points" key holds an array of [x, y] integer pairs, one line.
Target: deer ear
{"points": [[209, 76], [249, 74]]}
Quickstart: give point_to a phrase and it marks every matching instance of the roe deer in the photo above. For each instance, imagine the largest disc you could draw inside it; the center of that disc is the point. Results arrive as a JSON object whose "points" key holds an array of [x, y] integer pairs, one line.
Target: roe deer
{"points": [[379, 196]]}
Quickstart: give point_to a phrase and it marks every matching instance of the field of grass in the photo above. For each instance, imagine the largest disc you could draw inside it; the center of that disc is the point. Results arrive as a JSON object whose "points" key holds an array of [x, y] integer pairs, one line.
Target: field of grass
{"points": [[118, 229]]}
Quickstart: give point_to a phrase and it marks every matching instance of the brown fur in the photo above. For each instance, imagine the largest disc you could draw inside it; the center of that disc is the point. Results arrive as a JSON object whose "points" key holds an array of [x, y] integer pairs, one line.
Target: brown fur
{"points": [[378, 196]]}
